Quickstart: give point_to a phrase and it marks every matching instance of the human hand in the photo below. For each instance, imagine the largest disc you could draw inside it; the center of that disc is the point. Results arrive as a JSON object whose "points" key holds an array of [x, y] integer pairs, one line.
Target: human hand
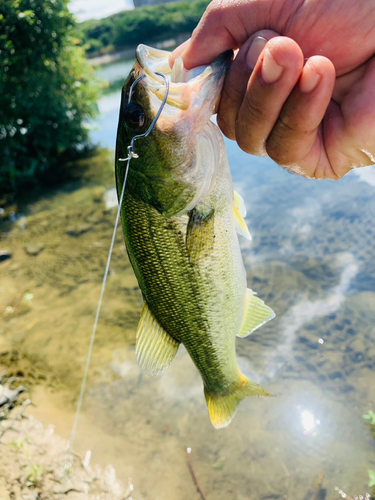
{"points": [[306, 98]]}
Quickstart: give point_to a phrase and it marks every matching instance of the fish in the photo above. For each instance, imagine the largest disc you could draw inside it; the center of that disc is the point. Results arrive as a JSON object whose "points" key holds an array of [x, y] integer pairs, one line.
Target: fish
{"points": [[180, 218]]}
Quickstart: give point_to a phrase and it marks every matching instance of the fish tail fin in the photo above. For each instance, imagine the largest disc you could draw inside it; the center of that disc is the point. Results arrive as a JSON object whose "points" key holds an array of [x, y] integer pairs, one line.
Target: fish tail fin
{"points": [[223, 407]]}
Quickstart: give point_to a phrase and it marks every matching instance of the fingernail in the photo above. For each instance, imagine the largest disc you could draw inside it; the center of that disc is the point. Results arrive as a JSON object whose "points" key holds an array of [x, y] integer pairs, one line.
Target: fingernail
{"points": [[181, 48], [254, 51], [178, 51], [271, 71], [309, 79]]}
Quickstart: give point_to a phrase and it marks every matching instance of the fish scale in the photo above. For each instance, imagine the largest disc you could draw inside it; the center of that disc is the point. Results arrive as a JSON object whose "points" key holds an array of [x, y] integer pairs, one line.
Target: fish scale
{"points": [[180, 219], [175, 287]]}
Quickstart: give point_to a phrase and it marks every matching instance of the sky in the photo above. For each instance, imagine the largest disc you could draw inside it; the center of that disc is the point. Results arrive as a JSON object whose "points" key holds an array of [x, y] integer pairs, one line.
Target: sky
{"points": [[89, 9]]}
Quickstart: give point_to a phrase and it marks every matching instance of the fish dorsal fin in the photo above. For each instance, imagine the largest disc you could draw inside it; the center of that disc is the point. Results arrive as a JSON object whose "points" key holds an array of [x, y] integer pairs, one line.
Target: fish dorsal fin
{"points": [[200, 234], [155, 349], [239, 214], [256, 314]]}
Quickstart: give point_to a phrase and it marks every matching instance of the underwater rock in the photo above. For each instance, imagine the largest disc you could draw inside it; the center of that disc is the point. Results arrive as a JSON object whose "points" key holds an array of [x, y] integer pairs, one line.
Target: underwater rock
{"points": [[34, 249], [317, 492], [97, 195], [4, 255], [78, 230], [336, 375], [357, 351], [8, 396]]}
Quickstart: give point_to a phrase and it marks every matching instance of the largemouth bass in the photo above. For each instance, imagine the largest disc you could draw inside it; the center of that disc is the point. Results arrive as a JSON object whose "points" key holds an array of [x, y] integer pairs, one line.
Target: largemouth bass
{"points": [[180, 219]]}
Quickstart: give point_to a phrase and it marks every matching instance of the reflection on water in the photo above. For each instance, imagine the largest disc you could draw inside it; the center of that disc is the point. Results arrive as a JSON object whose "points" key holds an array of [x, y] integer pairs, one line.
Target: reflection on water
{"points": [[104, 133], [113, 72], [311, 259]]}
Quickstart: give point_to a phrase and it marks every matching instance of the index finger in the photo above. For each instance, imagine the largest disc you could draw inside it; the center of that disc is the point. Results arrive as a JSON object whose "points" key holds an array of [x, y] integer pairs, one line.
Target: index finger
{"points": [[223, 26]]}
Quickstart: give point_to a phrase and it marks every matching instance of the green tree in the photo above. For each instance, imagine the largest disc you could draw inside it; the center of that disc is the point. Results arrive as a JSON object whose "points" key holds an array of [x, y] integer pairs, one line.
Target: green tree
{"points": [[47, 90], [143, 25]]}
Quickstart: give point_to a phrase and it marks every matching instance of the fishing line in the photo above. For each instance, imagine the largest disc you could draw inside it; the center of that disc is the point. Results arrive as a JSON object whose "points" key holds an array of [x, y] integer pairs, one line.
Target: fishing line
{"points": [[131, 154], [83, 385]]}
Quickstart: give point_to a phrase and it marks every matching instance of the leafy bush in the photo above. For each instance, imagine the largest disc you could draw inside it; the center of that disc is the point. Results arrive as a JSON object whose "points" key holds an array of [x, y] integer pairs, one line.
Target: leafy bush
{"points": [[144, 25], [46, 90]]}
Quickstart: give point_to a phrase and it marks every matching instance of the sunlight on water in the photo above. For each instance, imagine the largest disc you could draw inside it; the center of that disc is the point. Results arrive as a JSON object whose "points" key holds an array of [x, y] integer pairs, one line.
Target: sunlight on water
{"points": [[308, 422]]}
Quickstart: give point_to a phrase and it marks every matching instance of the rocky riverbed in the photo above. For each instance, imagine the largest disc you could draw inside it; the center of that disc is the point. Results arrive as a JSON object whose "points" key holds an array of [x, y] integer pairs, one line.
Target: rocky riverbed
{"points": [[35, 463]]}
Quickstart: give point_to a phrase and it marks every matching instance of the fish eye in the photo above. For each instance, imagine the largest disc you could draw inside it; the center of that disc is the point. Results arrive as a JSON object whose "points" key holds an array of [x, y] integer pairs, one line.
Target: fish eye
{"points": [[135, 116]]}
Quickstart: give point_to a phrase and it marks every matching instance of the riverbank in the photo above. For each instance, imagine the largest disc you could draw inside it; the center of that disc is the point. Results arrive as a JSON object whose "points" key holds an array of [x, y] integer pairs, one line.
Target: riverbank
{"points": [[34, 465], [148, 24], [129, 52]]}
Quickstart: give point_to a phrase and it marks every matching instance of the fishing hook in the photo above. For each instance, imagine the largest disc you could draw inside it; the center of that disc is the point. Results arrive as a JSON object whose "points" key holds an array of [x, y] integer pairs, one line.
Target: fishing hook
{"points": [[68, 461], [133, 85], [130, 148]]}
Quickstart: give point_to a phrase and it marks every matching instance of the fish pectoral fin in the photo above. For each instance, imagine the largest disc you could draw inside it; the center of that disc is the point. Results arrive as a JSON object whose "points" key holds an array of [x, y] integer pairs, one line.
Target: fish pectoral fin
{"points": [[155, 349], [239, 214], [256, 314], [223, 407], [200, 233]]}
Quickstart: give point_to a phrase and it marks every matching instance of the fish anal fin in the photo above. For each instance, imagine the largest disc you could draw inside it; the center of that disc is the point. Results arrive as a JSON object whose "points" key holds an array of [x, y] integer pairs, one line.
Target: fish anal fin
{"points": [[155, 349], [256, 314], [239, 213], [222, 408], [200, 234]]}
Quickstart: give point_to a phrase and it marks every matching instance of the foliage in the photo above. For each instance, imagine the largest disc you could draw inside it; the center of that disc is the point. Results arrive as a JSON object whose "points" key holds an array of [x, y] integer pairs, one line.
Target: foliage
{"points": [[35, 476], [19, 444], [47, 90], [370, 416], [143, 25], [371, 475]]}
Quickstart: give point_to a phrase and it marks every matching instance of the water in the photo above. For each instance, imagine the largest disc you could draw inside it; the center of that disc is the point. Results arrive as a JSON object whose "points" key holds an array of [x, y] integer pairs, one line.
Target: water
{"points": [[311, 259], [104, 132]]}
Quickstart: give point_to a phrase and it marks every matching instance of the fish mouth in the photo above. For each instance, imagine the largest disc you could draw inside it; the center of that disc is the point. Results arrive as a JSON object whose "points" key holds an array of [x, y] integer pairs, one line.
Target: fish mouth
{"points": [[187, 88]]}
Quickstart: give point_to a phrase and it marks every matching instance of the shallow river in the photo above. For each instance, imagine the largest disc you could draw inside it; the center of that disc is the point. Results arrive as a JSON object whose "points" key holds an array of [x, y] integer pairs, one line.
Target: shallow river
{"points": [[312, 259]]}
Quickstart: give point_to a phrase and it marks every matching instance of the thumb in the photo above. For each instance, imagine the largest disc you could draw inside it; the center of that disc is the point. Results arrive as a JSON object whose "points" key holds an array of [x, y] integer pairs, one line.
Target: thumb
{"points": [[224, 26]]}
